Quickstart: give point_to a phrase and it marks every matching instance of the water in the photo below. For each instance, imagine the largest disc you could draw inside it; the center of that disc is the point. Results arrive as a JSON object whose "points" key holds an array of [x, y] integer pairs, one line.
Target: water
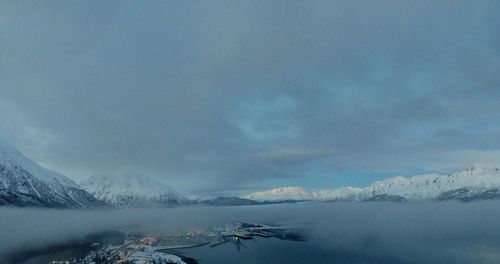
{"points": [[65, 251], [260, 250], [272, 251], [432, 232]]}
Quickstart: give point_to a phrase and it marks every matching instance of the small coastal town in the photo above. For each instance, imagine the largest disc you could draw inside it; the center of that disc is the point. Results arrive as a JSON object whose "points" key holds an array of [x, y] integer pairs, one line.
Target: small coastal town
{"points": [[144, 248]]}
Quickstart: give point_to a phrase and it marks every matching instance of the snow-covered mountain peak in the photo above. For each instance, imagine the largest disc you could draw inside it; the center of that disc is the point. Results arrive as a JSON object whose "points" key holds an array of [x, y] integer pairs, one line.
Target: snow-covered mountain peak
{"points": [[133, 184], [343, 193], [398, 180], [479, 179], [25, 183], [128, 190], [300, 194], [289, 189], [11, 157], [283, 193]]}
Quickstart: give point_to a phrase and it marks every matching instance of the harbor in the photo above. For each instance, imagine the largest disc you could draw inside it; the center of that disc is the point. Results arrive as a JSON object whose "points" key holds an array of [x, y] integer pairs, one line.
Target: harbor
{"points": [[147, 248]]}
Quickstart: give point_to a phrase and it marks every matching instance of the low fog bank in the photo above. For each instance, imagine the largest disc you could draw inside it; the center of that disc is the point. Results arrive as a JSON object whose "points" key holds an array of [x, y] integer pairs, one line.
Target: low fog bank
{"points": [[429, 232]]}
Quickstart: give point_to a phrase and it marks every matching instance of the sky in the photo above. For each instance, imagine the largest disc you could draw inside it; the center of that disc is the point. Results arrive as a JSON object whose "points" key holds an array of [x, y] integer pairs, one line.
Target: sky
{"points": [[232, 95]]}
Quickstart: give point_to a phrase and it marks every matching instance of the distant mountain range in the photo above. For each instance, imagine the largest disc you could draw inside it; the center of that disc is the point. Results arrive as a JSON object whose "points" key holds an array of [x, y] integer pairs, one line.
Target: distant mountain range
{"points": [[25, 183], [300, 194], [475, 183]]}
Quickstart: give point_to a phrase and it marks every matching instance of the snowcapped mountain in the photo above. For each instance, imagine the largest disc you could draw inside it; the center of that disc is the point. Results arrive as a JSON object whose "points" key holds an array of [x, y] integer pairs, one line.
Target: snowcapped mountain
{"points": [[300, 194], [25, 183], [340, 194], [131, 191], [477, 182], [281, 194]]}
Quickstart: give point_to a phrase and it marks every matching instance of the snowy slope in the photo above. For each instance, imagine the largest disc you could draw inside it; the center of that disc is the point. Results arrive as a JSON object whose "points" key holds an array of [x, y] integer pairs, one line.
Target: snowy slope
{"points": [[131, 191], [477, 182], [340, 194], [25, 183], [281, 194], [479, 178], [300, 194]]}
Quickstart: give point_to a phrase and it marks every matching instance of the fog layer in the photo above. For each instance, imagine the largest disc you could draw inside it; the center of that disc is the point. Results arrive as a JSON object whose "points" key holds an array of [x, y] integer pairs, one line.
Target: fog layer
{"points": [[379, 232]]}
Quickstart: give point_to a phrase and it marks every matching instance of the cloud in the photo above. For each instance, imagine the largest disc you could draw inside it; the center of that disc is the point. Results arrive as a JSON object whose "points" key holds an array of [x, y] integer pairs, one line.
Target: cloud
{"points": [[194, 94]]}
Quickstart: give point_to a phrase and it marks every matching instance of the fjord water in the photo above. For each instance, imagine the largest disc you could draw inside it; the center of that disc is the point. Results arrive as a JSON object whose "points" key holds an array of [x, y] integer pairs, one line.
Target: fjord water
{"points": [[377, 232], [261, 250], [272, 251]]}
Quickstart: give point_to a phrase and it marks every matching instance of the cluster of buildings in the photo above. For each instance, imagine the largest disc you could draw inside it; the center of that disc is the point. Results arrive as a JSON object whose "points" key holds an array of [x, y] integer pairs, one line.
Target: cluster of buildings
{"points": [[139, 251], [141, 248]]}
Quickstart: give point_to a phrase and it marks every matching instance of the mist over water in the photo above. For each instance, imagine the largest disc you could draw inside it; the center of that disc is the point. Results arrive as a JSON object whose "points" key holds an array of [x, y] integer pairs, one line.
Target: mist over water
{"points": [[426, 232]]}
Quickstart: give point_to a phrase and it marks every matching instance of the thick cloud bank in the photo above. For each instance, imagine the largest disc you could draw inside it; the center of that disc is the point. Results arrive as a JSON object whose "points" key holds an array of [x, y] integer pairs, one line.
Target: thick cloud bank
{"points": [[232, 93], [427, 232]]}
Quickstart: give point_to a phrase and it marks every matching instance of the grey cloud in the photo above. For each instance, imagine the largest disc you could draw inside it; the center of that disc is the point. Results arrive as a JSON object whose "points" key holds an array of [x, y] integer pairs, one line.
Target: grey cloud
{"points": [[194, 93]]}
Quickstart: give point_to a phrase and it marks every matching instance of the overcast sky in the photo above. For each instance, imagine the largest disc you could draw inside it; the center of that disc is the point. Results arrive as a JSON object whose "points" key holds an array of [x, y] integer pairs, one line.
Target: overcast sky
{"points": [[212, 96]]}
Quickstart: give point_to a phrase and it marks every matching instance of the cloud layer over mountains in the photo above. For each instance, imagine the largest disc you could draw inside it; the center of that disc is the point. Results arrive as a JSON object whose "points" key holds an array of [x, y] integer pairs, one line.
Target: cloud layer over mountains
{"points": [[229, 94]]}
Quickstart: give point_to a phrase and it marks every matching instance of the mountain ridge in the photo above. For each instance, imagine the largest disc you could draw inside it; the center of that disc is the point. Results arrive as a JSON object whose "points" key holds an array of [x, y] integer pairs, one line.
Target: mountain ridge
{"points": [[25, 183], [481, 181], [132, 191]]}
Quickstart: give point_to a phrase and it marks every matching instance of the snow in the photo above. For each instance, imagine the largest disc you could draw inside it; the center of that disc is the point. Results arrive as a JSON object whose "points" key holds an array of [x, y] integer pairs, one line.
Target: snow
{"points": [[37, 185], [149, 255], [300, 194], [123, 189], [479, 177], [284, 193], [336, 194], [117, 190], [34, 189], [11, 157]]}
